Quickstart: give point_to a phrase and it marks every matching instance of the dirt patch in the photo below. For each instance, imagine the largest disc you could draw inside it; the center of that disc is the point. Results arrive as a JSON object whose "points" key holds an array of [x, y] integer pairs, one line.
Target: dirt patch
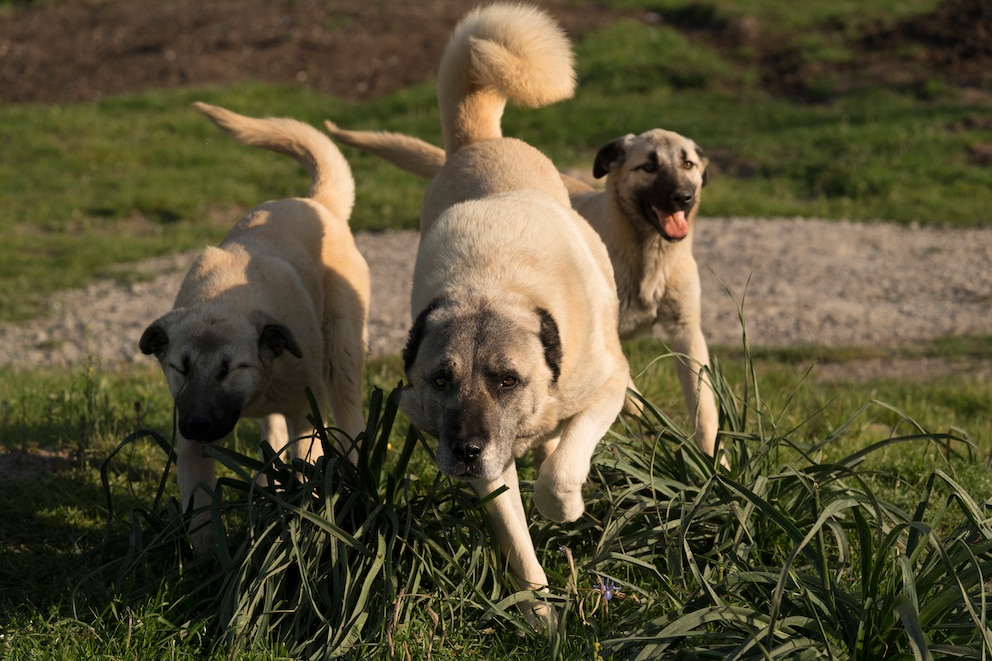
{"points": [[80, 51], [800, 283]]}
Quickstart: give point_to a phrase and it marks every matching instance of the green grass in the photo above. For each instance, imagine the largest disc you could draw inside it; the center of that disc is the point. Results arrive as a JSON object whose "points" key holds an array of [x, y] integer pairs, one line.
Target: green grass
{"points": [[88, 186], [854, 525], [659, 526]]}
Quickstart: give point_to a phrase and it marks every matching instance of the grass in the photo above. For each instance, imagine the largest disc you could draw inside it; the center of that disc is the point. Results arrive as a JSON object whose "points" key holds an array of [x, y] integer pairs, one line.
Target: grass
{"points": [[854, 524], [838, 498], [86, 187]]}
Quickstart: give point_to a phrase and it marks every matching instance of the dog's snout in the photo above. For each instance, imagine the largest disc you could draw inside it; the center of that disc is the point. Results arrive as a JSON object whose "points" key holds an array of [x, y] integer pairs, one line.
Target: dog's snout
{"points": [[467, 451], [198, 427], [682, 198]]}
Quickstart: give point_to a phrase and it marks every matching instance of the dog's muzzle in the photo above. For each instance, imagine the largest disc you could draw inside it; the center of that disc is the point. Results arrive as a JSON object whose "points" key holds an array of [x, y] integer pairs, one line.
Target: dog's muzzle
{"points": [[671, 217]]}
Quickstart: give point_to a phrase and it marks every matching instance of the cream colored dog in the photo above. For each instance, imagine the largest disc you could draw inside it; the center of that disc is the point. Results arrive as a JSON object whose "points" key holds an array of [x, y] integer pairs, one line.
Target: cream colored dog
{"points": [[645, 216], [281, 304], [514, 344]]}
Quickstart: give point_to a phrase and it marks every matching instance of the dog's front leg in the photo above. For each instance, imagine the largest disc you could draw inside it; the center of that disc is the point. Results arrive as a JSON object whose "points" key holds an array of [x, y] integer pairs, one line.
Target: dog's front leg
{"points": [[197, 479], [558, 488], [686, 340], [680, 318], [509, 523], [696, 388]]}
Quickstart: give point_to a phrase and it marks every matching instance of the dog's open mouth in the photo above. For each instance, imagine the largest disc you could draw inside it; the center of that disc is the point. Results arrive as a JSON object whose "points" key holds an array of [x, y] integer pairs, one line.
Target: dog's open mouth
{"points": [[673, 226]]}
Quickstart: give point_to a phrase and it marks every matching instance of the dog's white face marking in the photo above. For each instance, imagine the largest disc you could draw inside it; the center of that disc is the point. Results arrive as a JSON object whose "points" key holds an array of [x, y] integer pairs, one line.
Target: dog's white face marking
{"points": [[482, 381]]}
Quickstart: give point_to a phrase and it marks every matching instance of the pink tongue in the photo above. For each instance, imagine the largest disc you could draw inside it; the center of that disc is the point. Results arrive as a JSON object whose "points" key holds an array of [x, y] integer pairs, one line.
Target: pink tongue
{"points": [[674, 226]]}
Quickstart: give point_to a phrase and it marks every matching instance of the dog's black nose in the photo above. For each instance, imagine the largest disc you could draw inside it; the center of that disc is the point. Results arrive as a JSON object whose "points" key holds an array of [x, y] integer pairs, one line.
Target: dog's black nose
{"points": [[682, 198], [466, 451], [198, 427]]}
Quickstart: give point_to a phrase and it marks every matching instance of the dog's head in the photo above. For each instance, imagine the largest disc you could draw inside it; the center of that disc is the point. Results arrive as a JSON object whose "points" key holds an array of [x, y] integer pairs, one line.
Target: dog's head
{"points": [[215, 364], [482, 381], [656, 176]]}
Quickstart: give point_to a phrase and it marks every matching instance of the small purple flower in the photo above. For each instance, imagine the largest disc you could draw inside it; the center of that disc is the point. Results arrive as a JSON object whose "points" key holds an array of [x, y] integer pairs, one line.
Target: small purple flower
{"points": [[606, 588]]}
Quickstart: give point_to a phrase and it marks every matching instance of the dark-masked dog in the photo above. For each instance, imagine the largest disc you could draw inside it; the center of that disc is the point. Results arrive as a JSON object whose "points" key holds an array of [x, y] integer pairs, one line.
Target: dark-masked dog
{"points": [[645, 216], [514, 344], [280, 305]]}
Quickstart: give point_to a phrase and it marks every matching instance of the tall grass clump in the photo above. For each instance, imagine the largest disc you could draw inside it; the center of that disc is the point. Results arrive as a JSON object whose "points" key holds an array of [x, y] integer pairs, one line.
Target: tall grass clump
{"points": [[333, 559], [785, 554]]}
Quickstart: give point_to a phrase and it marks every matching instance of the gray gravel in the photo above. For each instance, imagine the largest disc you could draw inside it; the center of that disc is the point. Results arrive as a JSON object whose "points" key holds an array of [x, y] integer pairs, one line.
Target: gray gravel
{"points": [[800, 282]]}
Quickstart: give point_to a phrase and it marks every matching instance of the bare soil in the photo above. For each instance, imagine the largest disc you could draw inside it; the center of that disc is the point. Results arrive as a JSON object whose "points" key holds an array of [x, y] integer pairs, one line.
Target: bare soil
{"points": [[56, 52]]}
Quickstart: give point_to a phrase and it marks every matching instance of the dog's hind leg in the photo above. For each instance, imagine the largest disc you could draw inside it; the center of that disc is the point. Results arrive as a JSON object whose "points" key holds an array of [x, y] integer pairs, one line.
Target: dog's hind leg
{"points": [[304, 443], [274, 430]]}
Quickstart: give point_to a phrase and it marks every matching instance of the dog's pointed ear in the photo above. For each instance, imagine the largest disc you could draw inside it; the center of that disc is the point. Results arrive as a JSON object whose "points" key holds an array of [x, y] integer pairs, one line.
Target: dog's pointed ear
{"points": [[273, 336], [610, 155], [155, 339], [416, 335], [705, 162], [551, 341]]}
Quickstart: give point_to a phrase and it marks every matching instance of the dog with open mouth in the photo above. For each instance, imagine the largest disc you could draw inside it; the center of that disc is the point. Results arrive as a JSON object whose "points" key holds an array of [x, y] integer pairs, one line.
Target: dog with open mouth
{"points": [[645, 215]]}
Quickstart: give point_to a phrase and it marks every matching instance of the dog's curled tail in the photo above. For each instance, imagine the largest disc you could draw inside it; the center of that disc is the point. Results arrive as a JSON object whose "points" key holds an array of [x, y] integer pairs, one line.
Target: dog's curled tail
{"points": [[331, 182], [497, 53]]}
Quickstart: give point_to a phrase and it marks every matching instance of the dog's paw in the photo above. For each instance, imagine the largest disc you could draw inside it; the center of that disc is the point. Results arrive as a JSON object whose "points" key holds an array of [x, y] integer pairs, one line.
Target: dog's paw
{"points": [[201, 535], [558, 501]]}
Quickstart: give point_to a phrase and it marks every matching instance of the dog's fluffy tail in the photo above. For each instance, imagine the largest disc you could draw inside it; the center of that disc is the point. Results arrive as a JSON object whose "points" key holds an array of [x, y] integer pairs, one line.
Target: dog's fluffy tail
{"points": [[331, 182], [497, 53]]}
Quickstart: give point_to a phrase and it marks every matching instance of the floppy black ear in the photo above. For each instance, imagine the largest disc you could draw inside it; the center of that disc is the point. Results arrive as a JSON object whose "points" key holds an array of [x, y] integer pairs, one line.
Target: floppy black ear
{"points": [[155, 339], [273, 336], [610, 154], [551, 341], [416, 335], [278, 339]]}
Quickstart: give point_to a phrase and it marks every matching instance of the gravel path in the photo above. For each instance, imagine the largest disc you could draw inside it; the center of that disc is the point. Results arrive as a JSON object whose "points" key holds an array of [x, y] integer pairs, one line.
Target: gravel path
{"points": [[801, 281]]}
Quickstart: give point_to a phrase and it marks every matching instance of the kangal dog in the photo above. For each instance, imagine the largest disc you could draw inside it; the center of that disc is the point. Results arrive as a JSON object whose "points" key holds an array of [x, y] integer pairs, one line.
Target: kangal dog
{"points": [[281, 304], [514, 344], [645, 216]]}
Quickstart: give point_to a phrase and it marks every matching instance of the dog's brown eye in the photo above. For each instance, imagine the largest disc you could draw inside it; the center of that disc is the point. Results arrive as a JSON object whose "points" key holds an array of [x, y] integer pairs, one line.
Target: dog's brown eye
{"points": [[650, 167], [688, 165], [439, 382], [508, 382]]}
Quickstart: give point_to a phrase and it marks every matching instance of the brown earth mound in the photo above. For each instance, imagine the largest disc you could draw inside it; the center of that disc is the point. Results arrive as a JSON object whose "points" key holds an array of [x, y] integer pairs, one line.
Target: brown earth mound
{"points": [[80, 51]]}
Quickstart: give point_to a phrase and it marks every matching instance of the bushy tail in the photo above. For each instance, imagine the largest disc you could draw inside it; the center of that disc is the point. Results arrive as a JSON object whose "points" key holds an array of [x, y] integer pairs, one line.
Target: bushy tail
{"points": [[497, 53], [331, 182]]}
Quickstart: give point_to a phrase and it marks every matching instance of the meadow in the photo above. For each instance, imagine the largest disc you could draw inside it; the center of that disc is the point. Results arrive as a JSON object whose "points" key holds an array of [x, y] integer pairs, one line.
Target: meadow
{"points": [[854, 522]]}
